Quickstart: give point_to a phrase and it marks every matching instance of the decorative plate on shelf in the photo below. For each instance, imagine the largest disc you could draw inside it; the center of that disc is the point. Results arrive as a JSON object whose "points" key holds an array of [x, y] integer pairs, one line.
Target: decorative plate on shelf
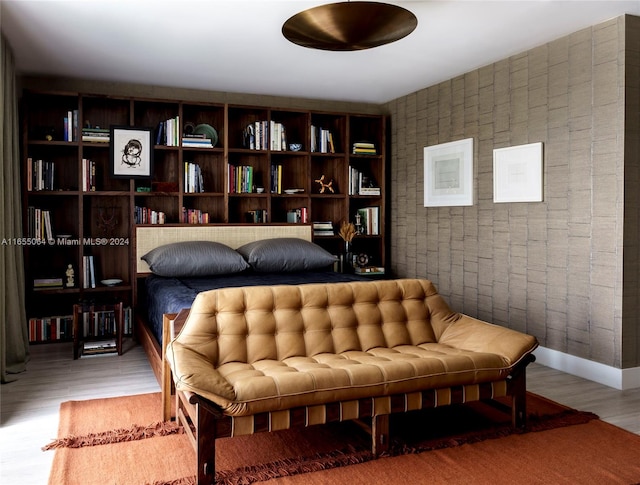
{"points": [[208, 131], [111, 282]]}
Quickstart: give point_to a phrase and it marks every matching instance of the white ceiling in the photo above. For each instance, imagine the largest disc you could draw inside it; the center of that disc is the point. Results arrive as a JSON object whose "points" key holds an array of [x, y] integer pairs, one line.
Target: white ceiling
{"points": [[237, 46]]}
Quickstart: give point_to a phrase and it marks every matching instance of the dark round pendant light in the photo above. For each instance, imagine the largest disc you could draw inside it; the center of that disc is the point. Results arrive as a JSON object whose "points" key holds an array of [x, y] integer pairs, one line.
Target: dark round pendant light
{"points": [[349, 26]]}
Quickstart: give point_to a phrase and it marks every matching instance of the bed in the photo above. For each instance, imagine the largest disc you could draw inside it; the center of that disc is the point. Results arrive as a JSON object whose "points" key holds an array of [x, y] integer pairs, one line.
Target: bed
{"points": [[167, 293]]}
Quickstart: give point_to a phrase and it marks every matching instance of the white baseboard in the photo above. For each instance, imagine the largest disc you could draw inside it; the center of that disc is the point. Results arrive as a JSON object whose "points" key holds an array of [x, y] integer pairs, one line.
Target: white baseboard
{"points": [[594, 371]]}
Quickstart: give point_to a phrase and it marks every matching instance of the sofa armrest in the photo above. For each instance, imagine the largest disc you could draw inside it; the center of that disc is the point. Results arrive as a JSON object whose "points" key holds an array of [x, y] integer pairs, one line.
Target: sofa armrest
{"points": [[193, 372], [469, 333]]}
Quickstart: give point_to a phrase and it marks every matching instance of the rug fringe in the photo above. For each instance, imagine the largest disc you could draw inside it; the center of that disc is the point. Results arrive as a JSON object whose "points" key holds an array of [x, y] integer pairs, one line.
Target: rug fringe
{"points": [[133, 433], [178, 481], [283, 468], [293, 466]]}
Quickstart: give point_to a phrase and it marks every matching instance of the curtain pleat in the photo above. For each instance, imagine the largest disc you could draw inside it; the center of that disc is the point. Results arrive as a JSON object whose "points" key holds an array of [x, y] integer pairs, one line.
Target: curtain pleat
{"points": [[14, 341]]}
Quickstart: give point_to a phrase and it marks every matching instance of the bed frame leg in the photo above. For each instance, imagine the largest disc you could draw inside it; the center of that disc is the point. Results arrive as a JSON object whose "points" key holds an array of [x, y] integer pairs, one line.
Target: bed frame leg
{"points": [[379, 434]]}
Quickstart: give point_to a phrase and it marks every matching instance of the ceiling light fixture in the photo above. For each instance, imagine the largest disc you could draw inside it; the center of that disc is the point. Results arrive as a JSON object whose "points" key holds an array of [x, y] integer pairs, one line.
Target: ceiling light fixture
{"points": [[349, 26]]}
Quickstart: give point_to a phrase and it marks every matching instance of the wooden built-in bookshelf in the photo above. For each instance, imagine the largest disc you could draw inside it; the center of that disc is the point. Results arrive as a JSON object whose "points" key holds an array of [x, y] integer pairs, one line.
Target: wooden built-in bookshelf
{"points": [[96, 217]]}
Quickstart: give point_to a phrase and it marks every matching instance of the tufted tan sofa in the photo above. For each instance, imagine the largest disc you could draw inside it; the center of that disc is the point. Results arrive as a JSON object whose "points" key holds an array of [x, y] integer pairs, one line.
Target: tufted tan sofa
{"points": [[266, 358]]}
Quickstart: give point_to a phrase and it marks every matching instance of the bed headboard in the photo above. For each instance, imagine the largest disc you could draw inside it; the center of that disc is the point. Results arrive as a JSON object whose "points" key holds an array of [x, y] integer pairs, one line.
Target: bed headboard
{"points": [[234, 236]]}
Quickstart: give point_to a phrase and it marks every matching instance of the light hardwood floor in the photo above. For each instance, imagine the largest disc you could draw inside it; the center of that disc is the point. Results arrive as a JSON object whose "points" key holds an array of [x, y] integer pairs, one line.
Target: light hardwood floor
{"points": [[30, 405]]}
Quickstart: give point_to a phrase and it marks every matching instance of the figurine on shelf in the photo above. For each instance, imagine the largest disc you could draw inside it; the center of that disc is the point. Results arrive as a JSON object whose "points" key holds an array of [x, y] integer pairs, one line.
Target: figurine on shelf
{"points": [[358, 224], [70, 276], [324, 186]]}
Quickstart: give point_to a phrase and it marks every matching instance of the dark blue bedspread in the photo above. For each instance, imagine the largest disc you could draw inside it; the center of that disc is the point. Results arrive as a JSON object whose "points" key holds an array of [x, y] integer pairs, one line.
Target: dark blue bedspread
{"points": [[170, 295]]}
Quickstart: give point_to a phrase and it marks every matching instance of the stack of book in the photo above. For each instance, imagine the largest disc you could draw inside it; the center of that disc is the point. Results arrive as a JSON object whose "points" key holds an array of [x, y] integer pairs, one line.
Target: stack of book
{"points": [[278, 136], [167, 132], [47, 283], [128, 320], [323, 228], [298, 216], [369, 220], [51, 328], [98, 323], [194, 216], [89, 280], [96, 135], [39, 224], [240, 179], [88, 175], [256, 135], [99, 347], [256, 216], [71, 126], [193, 180], [276, 179], [196, 141], [370, 270], [362, 184], [40, 174], [145, 215], [364, 148], [322, 140]]}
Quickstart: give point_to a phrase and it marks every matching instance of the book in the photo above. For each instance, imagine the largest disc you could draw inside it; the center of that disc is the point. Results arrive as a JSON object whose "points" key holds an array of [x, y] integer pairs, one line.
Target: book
{"points": [[323, 228], [257, 216], [45, 283], [369, 220], [371, 270], [88, 175], [364, 148], [89, 280], [193, 179], [47, 226], [146, 215], [322, 140], [52, 328], [41, 175], [96, 135], [196, 141]]}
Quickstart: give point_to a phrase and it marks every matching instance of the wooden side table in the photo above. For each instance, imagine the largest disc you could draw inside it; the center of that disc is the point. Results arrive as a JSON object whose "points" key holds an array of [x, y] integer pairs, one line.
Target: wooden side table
{"points": [[97, 329]]}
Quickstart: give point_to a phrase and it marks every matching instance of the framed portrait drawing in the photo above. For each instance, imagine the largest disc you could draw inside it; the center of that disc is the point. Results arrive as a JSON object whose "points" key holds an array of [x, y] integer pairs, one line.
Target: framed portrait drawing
{"points": [[448, 174], [517, 173], [131, 152]]}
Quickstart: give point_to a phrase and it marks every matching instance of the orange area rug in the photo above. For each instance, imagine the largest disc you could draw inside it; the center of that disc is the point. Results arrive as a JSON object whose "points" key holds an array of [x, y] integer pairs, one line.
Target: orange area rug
{"points": [[121, 441]]}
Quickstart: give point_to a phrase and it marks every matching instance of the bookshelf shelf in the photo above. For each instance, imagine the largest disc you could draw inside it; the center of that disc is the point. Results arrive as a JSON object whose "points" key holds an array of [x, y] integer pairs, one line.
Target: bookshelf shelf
{"points": [[87, 203]]}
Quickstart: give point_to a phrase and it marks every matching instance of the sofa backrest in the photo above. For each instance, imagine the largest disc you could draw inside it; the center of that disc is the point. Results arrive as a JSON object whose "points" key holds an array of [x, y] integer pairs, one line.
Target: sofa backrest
{"points": [[250, 324]]}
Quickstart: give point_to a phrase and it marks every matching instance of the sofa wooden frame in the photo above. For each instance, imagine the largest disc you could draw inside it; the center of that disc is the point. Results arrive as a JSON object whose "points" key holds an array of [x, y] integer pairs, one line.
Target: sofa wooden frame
{"points": [[204, 422]]}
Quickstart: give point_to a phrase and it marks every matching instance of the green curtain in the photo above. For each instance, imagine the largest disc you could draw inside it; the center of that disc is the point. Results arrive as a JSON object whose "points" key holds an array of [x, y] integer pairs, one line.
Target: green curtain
{"points": [[14, 341]]}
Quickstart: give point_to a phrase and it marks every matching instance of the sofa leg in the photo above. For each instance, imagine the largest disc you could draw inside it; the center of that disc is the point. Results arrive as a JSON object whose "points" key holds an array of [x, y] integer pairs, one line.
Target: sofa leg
{"points": [[519, 401], [206, 447], [379, 434]]}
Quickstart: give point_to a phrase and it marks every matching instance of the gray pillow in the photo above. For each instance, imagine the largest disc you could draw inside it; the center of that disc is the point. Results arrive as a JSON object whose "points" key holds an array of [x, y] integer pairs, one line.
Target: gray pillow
{"points": [[194, 258], [284, 255]]}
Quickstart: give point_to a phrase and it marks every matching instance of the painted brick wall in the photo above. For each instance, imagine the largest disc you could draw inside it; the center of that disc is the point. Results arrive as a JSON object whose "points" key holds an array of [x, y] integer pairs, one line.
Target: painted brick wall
{"points": [[553, 269]]}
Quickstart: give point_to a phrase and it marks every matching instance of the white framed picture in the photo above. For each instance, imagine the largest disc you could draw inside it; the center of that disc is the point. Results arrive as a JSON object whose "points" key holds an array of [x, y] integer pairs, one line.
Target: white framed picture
{"points": [[131, 152], [517, 173], [448, 174]]}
